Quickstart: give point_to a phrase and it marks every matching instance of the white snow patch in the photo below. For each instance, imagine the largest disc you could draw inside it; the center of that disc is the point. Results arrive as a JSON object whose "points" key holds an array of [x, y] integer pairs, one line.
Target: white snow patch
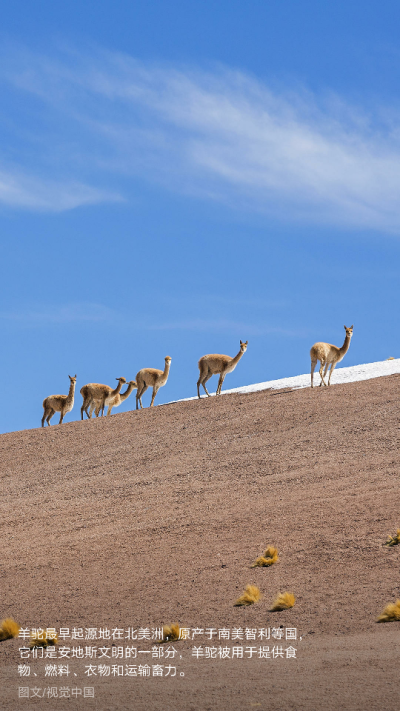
{"points": [[340, 375]]}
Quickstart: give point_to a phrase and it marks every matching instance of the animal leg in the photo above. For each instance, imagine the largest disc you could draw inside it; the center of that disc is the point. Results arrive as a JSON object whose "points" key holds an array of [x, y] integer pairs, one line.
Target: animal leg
{"points": [[333, 366], [155, 391], [313, 364], [207, 393], [45, 413], [203, 377], [84, 407], [220, 381], [61, 417], [100, 408], [110, 407], [51, 413], [139, 395], [321, 373], [205, 380]]}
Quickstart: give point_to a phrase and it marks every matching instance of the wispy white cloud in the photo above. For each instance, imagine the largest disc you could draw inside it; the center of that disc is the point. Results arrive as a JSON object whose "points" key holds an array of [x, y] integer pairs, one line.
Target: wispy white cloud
{"points": [[221, 135], [94, 313], [215, 302], [242, 329], [23, 190], [62, 314]]}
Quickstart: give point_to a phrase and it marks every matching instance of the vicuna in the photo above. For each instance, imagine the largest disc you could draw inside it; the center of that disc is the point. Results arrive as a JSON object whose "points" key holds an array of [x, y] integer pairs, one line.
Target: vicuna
{"points": [[215, 364], [151, 377], [328, 355], [59, 403]]}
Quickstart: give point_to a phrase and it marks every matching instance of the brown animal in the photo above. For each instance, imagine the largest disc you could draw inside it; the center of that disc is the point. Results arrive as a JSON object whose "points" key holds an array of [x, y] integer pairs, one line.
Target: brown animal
{"points": [[151, 377], [59, 403], [328, 355], [117, 399], [215, 364], [95, 396]]}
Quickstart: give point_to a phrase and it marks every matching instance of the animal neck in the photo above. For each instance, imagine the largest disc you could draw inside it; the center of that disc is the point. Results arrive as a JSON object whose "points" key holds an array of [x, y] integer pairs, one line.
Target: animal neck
{"points": [[237, 358], [346, 345], [128, 391], [117, 389], [166, 369], [71, 392]]}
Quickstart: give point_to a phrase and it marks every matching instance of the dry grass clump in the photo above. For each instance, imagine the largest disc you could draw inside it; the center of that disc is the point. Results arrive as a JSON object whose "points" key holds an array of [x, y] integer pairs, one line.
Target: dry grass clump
{"points": [[171, 633], [39, 639], [393, 540], [250, 595], [269, 557], [9, 629], [391, 612], [283, 602]]}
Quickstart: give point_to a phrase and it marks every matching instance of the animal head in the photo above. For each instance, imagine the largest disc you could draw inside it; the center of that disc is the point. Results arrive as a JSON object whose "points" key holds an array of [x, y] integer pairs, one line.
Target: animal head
{"points": [[72, 378], [133, 383], [349, 331], [168, 359], [243, 346], [121, 380]]}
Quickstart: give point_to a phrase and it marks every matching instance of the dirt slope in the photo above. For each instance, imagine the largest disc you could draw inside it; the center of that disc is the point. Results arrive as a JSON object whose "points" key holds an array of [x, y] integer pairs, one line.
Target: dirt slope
{"points": [[155, 517]]}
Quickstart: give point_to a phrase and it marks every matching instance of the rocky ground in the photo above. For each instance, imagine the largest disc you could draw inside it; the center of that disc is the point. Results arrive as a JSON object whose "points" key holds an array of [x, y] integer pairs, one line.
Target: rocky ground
{"points": [[154, 517]]}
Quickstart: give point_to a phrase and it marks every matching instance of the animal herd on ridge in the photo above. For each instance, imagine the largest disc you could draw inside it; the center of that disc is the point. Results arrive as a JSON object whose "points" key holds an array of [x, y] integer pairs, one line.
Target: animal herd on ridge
{"points": [[97, 396]]}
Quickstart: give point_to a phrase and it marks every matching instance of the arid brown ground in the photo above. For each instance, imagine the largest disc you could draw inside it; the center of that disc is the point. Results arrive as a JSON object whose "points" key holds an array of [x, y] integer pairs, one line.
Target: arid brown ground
{"points": [[155, 517]]}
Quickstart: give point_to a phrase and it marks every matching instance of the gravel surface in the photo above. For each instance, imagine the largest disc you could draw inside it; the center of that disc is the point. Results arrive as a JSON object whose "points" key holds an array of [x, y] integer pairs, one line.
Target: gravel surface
{"points": [[154, 517]]}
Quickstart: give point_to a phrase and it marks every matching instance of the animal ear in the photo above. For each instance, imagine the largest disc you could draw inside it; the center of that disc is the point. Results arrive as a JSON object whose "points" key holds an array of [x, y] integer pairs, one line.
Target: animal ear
{"points": [[246, 343], [345, 327], [241, 343], [351, 326]]}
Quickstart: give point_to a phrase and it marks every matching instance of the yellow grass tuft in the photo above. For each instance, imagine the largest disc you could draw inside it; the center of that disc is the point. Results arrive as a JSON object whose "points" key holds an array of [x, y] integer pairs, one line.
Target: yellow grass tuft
{"points": [[393, 540], [171, 633], [250, 595], [40, 639], [390, 358], [9, 629], [391, 612], [283, 602], [269, 558]]}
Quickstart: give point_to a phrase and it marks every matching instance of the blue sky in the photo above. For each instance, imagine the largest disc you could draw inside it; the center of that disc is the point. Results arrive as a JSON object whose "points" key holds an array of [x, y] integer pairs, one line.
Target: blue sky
{"points": [[177, 176]]}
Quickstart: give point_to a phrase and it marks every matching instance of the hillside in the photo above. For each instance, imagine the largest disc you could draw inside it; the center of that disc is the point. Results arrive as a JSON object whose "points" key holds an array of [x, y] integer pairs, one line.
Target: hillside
{"points": [[154, 517]]}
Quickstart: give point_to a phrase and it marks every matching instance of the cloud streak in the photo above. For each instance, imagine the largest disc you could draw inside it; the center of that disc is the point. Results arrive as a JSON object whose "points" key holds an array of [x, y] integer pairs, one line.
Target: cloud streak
{"points": [[243, 329], [23, 190], [91, 314], [83, 312], [220, 135]]}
